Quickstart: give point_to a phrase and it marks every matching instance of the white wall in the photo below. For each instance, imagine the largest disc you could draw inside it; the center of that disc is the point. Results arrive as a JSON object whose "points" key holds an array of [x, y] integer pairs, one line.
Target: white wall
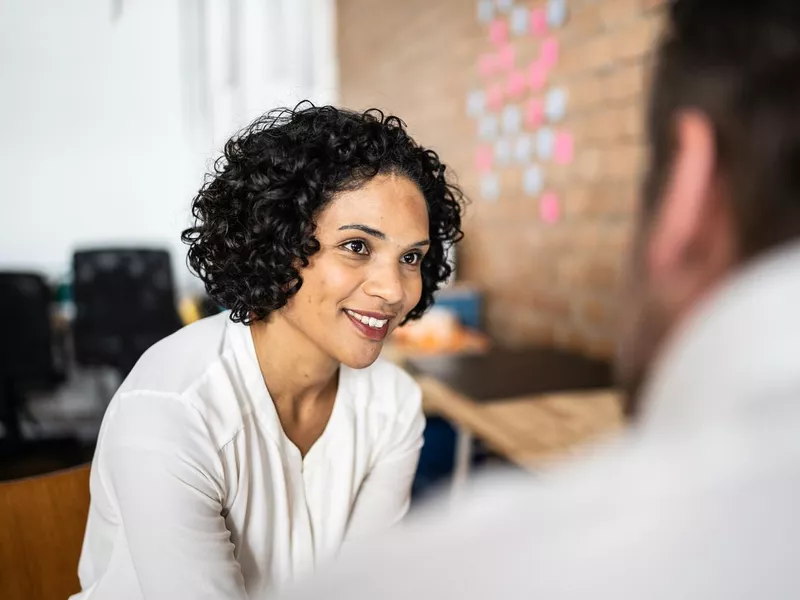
{"points": [[264, 54], [107, 124]]}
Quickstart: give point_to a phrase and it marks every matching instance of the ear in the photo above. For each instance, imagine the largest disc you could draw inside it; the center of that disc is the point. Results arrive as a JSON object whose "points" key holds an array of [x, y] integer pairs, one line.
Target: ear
{"points": [[688, 195]]}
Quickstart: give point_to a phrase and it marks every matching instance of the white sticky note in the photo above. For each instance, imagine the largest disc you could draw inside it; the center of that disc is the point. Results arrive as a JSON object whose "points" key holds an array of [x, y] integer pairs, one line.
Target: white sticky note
{"points": [[556, 13], [504, 5], [512, 119], [476, 102], [520, 20], [502, 151], [545, 142], [555, 104], [485, 11], [523, 148], [488, 127], [533, 181], [490, 187]]}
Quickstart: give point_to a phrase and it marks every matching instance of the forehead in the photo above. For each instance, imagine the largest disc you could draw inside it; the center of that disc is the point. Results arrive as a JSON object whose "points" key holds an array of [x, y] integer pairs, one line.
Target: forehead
{"points": [[392, 204]]}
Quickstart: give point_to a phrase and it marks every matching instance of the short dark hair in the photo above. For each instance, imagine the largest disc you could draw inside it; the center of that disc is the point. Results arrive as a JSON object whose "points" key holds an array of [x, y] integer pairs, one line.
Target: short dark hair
{"points": [[254, 217], [737, 62]]}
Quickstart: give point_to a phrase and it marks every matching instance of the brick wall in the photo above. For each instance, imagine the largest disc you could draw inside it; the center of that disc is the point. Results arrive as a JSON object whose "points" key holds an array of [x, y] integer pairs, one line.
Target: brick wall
{"points": [[553, 283]]}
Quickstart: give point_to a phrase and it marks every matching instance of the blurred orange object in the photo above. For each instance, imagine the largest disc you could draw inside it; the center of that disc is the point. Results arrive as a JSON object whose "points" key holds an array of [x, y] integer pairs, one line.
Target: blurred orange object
{"points": [[438, 332]]}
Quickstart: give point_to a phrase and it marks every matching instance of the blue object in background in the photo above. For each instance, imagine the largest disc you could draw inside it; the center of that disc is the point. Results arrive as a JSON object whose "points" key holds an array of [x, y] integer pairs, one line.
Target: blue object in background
{"points": [[465, 303], [437, 458]]}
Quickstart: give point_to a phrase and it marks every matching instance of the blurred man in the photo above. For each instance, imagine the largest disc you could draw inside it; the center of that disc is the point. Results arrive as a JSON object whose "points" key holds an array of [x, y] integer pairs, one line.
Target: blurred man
{"points": [[700, 498]]}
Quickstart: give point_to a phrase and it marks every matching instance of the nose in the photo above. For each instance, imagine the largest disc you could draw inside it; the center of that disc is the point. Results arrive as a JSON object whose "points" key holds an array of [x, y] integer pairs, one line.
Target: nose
{"points": [[385, 281]]}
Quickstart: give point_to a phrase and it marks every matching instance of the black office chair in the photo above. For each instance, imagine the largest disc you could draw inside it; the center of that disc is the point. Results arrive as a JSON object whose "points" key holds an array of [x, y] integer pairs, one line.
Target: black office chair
{"points": [[27, 364], [125, 302], [26, 345]]}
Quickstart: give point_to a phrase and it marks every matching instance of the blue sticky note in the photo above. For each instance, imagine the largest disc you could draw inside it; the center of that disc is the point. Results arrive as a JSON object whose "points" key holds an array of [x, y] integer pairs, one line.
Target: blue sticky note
{"points": [[490, 187], [512, 118], [502, 152], [555, 104], [556, 13], [545, 143], [504, 5], [488, 127], [523, 149], [533, 181], [485, 11], [520, 20], [476, 102]]}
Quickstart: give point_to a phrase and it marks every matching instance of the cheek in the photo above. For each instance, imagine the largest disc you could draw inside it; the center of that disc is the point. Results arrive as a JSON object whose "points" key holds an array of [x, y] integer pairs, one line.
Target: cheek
{"points": [[313, 291], [335, 282], [413, 291]]}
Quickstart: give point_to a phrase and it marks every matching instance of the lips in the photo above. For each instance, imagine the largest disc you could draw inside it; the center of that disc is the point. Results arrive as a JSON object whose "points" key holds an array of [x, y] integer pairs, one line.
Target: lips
{"points": [[373, 326]]}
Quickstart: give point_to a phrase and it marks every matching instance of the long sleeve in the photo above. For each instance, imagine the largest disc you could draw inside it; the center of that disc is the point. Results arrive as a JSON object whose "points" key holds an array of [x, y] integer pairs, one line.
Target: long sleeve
{"points": [[162, 468], [385, 493]]}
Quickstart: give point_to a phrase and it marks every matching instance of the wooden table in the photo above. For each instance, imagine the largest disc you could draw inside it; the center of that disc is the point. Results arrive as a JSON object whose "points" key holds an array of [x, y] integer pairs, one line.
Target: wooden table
{"points": [[531, 406], [530, 431]]}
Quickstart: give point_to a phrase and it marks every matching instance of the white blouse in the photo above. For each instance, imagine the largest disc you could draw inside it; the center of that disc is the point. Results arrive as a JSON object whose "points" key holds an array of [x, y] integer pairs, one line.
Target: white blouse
{"points": [[198, 493]]}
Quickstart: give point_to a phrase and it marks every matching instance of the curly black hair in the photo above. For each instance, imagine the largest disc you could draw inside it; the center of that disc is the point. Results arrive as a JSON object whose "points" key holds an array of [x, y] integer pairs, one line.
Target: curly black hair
{"points": [[254, 217]]}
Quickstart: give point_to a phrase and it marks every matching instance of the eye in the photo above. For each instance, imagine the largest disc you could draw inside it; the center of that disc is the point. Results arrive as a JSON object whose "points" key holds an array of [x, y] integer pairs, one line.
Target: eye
{"points": [[412, 258], [356, 247]]}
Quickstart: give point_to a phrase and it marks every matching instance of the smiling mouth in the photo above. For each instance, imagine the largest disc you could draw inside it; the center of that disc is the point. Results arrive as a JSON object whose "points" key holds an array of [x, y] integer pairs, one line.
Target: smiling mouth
{"points": [[372, 328]]}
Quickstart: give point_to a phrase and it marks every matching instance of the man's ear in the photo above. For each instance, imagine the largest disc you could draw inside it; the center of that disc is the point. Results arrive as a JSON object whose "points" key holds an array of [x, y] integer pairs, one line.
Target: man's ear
{"points": [[688, 196]]}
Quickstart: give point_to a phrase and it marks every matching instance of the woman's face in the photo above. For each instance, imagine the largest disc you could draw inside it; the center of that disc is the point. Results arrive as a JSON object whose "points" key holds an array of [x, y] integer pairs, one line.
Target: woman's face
{"points": [[366, 276]]}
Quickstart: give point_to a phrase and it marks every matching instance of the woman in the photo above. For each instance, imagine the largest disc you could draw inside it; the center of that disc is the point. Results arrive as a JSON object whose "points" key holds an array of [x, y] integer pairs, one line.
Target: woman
{"points": [[248, 446]]}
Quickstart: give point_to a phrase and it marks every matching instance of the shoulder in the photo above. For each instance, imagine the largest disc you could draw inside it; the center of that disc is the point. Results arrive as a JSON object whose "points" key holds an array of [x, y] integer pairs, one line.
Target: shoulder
{"points": [[176, 363], [153, 421], [153, 440], [188, 384]]}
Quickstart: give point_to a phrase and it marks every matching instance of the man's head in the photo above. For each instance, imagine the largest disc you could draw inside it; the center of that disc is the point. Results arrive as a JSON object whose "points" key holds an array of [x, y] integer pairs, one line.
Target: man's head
{"points": [[723, 181]]}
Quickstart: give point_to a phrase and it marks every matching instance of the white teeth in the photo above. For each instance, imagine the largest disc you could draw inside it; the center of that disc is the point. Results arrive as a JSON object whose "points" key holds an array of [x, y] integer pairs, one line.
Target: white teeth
{"points": [[369, 321]]}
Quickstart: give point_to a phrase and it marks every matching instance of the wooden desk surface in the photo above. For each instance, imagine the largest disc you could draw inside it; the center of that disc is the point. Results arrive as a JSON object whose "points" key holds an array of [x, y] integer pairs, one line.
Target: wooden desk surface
{"points": [[533, 430], [513, 373]]}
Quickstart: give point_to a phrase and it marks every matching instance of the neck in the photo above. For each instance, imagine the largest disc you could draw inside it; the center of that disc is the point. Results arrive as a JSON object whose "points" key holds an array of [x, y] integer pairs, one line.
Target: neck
{"points": [[734, 353], [297, 373]]}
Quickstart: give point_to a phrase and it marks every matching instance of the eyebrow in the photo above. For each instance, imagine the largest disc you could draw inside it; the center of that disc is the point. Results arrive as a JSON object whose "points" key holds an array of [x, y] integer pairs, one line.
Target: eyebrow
{"points": [[378, 234]]}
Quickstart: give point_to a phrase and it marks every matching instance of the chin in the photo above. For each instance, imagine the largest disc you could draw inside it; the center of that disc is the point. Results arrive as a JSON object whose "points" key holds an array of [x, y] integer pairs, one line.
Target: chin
{"points": [[361, 358]]}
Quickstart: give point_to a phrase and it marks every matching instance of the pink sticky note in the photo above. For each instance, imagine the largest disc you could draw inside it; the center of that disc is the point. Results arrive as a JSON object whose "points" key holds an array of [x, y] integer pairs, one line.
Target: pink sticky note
{"points": [[565, 148], [483, 158], [498, 31], [549, 56], [504, 60], [534, 112], [537, 75], [486, 65], [549, 208], [539, 22], [494, 96], [515, 85]]}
